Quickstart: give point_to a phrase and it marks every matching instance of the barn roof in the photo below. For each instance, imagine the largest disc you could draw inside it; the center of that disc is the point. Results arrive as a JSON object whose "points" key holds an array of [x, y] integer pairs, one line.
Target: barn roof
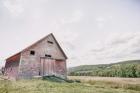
{"points": [[37, 43]]}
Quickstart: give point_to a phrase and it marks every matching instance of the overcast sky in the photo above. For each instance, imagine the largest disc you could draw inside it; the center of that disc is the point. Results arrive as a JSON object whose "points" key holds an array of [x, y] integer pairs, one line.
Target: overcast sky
{"points": [[89, 31]]}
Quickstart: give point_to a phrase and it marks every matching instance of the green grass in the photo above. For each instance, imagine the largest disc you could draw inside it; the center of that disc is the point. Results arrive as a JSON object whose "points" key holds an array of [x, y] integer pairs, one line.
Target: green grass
{"points": [[45, 86], [114, 85]]}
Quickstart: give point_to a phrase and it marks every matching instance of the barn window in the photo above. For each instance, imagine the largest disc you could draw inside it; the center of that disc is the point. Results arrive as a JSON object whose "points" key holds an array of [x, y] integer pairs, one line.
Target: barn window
{"points": [[11, 69], [50, 42], [32, 52], [46, 55]]}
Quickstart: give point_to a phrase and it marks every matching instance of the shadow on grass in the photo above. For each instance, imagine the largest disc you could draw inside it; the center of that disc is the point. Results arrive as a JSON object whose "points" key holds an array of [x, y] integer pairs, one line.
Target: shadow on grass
{"points": [[60, 80]]}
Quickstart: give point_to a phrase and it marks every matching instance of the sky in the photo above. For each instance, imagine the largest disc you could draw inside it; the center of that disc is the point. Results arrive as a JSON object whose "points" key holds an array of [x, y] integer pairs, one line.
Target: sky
{"points": [[89, 31]]}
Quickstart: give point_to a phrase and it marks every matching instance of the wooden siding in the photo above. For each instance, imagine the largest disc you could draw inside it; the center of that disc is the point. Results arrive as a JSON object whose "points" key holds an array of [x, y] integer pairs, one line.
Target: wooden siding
{"points": [[53, 67], [61, 68], [11, 66], [30, 64]]}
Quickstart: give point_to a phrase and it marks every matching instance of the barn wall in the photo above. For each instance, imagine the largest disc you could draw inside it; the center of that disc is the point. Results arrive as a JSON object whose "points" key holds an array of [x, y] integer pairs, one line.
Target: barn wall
{"points": [[61, 70], [30, 64], [11, 67]]}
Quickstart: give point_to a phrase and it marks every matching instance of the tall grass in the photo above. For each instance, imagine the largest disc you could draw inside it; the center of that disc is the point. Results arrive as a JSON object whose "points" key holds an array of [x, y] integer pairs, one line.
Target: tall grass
{"points": [[115, 85], [45, 86]]}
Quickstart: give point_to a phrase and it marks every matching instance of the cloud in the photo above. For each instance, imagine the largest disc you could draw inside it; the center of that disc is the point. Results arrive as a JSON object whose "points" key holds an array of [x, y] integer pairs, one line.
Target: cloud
{"points": [[14, 6], [75, 17], [122, 46], [102, 21]]}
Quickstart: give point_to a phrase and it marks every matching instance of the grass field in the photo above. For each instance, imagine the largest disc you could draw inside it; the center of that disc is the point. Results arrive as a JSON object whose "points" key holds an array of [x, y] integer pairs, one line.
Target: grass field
{"points": [[87, 85]]}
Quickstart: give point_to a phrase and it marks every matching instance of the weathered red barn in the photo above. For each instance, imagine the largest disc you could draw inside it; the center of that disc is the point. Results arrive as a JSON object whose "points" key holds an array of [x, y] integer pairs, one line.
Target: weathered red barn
{"points": [[43, 58]]}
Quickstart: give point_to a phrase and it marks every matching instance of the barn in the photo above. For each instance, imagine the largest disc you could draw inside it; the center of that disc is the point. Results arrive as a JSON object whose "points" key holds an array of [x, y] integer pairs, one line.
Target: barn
{"points": [[43, 58]]}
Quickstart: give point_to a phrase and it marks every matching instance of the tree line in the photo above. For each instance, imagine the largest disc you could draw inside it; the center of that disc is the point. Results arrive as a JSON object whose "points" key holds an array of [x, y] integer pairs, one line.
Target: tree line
{"points": [[123, 70]]}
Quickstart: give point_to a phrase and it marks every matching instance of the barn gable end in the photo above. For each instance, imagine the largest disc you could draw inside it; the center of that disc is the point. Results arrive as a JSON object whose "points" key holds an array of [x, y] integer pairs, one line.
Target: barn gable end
{"points": [[45, 57], [47, 47]]}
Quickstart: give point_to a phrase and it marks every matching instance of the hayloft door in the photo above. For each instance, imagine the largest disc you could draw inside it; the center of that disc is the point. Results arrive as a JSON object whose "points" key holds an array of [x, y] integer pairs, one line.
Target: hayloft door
{"points": [[47, 67]]}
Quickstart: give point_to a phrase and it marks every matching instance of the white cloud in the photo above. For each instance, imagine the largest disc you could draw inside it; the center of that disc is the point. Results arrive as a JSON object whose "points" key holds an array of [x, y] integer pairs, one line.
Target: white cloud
{"points": [[100, 22], [100, 19], [75, 17], [117, 47], [14, 6]]}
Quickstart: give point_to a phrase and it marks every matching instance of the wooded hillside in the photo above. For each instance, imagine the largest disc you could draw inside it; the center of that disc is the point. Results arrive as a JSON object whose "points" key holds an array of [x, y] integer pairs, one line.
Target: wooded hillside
{"points": [[129, 68]]}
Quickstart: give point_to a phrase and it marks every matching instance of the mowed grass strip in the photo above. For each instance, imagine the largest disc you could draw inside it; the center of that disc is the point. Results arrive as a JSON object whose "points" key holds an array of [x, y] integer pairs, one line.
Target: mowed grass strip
{"points": [[45, 86]]}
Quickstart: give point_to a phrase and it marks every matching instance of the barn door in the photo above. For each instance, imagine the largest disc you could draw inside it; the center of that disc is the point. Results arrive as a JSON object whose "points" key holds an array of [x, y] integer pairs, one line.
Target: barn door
{"points": [[47, 66]]}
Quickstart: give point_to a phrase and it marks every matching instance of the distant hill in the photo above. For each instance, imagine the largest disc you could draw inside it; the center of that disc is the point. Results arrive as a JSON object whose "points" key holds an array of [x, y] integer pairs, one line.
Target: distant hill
{"points": [[130, 68]]}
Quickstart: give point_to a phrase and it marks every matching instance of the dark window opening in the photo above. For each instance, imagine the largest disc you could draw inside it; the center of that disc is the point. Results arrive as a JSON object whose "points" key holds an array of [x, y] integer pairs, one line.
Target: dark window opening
{"points": [[32, 52], [50, 42], [10, 69], [39, 73], [47, 55]]}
